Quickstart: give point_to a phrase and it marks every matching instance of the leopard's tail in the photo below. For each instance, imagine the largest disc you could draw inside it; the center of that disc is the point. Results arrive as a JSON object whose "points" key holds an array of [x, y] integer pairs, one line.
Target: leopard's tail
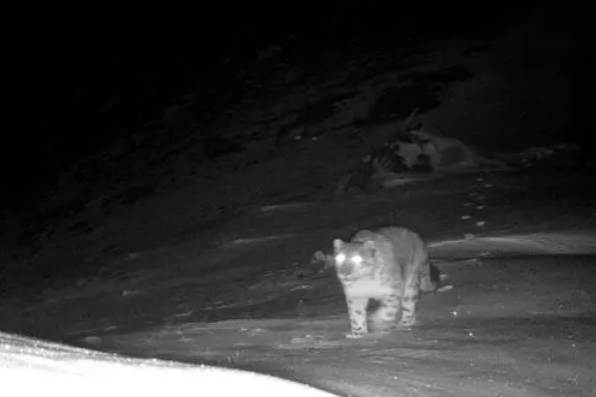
{"points": [[430, 279]]}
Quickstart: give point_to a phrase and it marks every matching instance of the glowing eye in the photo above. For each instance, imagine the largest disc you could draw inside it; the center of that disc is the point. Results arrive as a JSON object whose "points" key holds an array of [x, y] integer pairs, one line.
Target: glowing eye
{"points": [[340, 258], [357, 259]]}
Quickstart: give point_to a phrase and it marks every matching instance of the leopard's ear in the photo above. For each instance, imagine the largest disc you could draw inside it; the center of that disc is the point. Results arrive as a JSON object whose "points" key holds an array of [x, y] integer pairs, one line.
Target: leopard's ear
{"points": [[337, 244]]}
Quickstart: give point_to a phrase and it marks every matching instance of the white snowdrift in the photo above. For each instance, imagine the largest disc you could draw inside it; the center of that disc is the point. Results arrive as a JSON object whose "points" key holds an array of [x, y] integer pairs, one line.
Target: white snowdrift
{"points": [[31, 367]]}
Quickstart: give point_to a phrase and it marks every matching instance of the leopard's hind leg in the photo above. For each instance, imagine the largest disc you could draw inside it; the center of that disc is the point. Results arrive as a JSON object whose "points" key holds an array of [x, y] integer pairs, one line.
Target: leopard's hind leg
{"points": [[409, 302], [385, 316]]}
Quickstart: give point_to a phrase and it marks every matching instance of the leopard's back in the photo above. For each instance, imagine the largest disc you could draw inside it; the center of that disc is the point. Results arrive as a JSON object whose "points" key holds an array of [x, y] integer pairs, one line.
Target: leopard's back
{"points": [[402, 254]]}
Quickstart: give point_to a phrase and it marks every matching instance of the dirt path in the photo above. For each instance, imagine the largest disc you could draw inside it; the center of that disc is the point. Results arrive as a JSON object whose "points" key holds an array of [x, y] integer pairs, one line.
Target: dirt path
{"points": [[511, 327], [247, 296]]}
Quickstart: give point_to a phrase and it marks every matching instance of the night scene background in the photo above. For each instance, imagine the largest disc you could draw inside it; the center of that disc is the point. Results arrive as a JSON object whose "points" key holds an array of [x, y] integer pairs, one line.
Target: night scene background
{"points": [[180, 173]]}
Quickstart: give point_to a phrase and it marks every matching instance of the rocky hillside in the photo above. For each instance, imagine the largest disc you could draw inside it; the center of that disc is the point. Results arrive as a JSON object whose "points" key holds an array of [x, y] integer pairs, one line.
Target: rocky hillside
{"points": [[304, 118]]}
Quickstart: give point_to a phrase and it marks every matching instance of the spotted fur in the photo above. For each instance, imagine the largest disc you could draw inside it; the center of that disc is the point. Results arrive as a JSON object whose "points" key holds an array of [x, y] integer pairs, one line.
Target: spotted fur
{"points": [[389, 265]]}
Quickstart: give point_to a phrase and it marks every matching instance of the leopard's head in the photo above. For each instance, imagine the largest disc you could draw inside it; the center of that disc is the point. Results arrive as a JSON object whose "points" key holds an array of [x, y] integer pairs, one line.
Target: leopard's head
{"points": [[353, 260]]}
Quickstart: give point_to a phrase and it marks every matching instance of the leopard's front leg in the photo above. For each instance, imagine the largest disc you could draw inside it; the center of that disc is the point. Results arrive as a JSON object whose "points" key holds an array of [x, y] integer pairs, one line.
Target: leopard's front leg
{"points": [[357, 313]]}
